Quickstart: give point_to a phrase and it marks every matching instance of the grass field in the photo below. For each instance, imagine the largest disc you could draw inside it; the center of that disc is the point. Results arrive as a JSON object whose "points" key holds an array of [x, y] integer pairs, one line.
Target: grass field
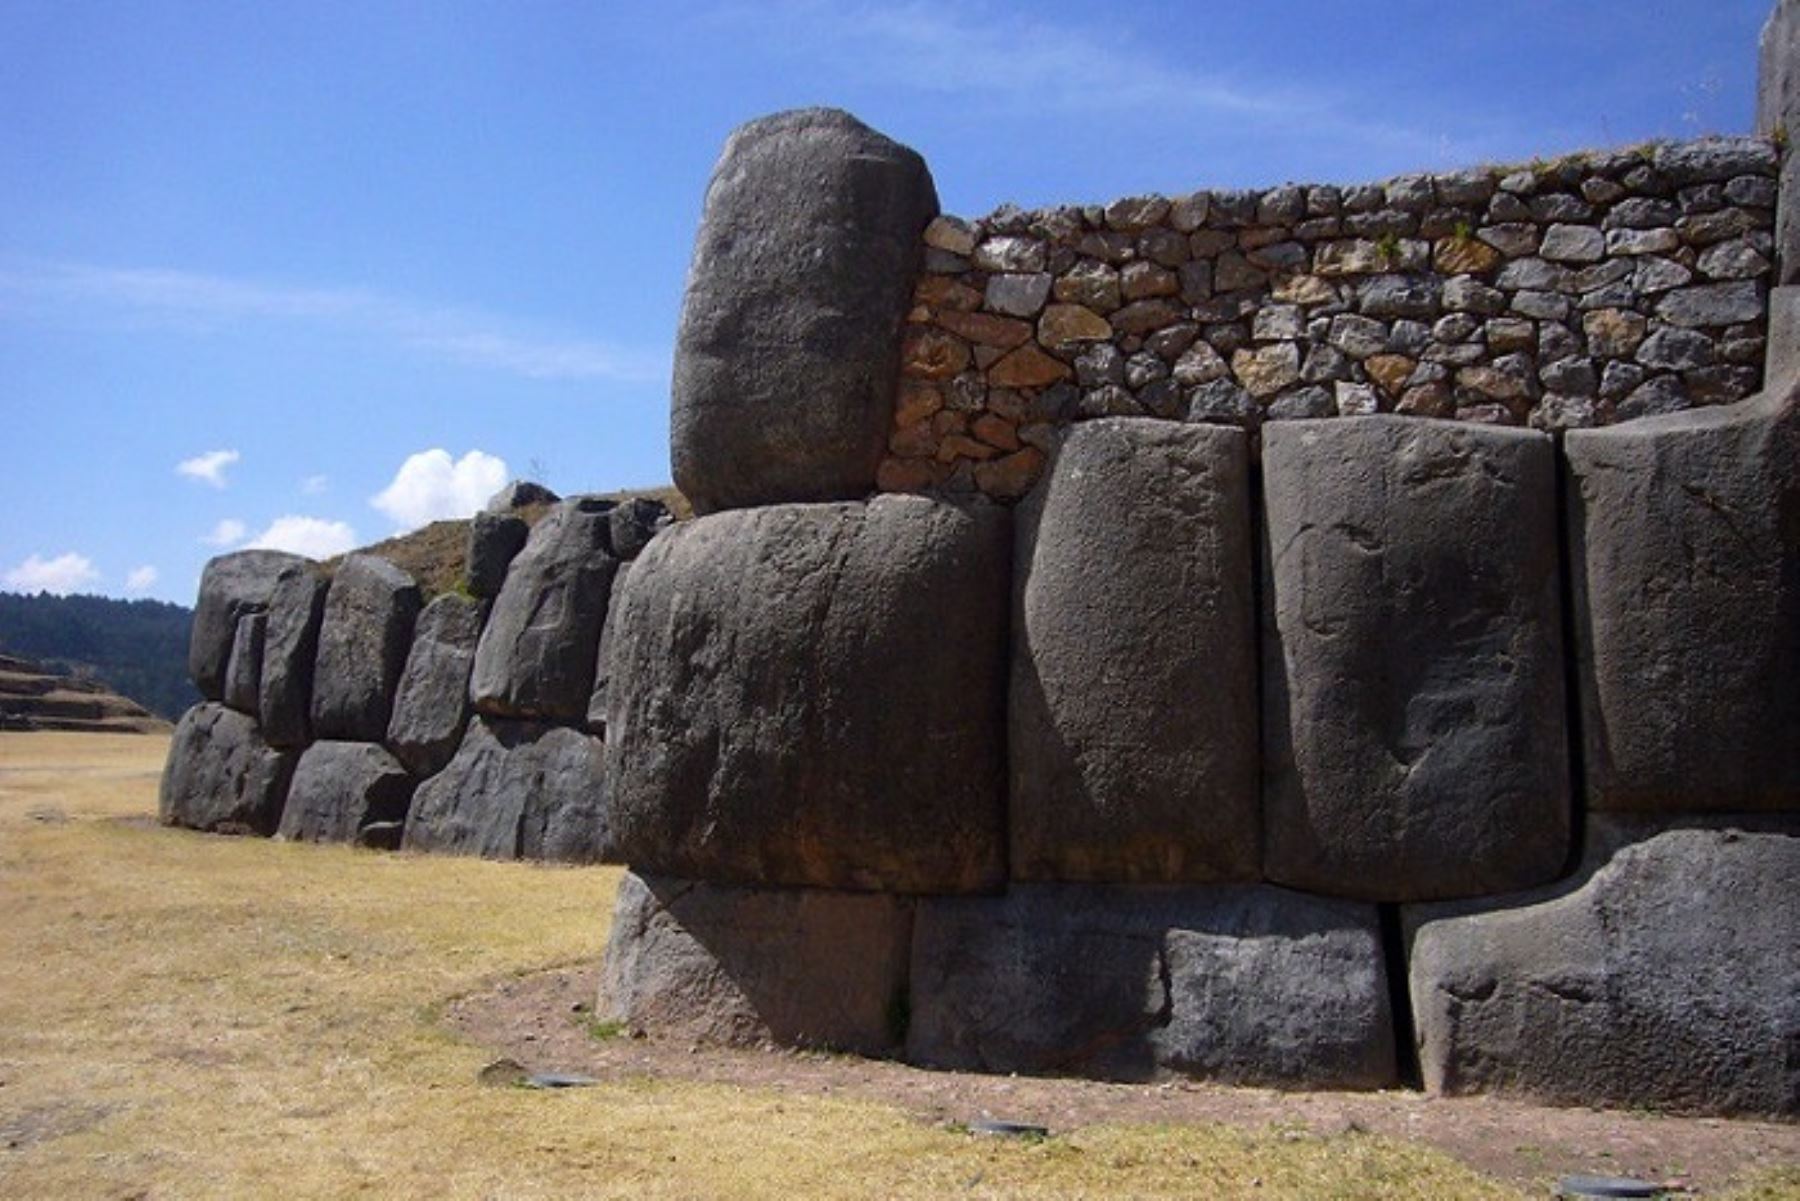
{"points": [[193, 1016]]}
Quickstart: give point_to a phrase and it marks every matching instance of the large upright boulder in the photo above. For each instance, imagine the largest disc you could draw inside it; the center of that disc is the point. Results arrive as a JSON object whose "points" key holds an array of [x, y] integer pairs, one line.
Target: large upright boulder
{"points": [[221, 775], [431, 704], [342, 789], [787, 357], [243, 673], [231, 586], [536, 656], [745, 966], [597, 699], [290, 650], [1252, 985], [514, 790], [1132, 718], [1413, 726], [815, 695], [363, 639], [1778, 115], [495, 539], [1667, 976], [1685, 557]]}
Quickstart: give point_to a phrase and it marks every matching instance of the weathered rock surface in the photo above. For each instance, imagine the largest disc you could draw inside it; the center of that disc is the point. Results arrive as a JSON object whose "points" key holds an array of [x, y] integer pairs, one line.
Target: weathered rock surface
{"points": [[815, 695], [519, 494], [514, 790], [221, 775], [231, 586], [745, 966], [495, 539], [536, 656], [364, 636], [431, 703], [787, 356], [596, 713], [1413, 728], [243, 672], [1685, 558], [1250, 985], [1667, 976], [1132, 717], [635, 521], [290, 649], [341, 788]]}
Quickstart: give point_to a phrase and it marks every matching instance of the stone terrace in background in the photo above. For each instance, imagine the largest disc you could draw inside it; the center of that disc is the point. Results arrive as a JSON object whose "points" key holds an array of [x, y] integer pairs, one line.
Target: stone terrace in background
{"points": [[1587, 291]]}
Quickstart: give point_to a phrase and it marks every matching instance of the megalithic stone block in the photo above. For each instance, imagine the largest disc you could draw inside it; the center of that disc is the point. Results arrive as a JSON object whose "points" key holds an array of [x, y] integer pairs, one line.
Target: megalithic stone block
{"points": [[1251, 985], [342, 788], [1132, 727], [814, 695], [536, 655], [787, 356], [1666, 975], [222, 776], [290, 652], [364, 636], [746, 966], [514, 790], [495, 539], [231, 586], [1413, 728], [1778, 114], [243, 674], [596, 714], [1685, 539], [431, 704]]}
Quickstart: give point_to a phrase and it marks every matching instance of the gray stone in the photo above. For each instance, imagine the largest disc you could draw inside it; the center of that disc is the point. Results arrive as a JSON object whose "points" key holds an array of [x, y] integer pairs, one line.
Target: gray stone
{"points": [[1732, 260], [1712, 304], [1466, 294], [1399, 296], [1659, 394], [515, 790], [634, 522], [1715, 159], [1358, 337], [221, 775], [520, 494], [431, 703], [1413, 697], [363, 639], [290, 649], [231, 586], [1641, 212], [597, 700], [797, 967], [1573, 244], [1686, 575], [1014, 295], [339, 788], [243, 673], [1666, 976], [1132, 724], [1010, 254], [1221, 401], [814, 695], [787, 355], [1674, 349], [1247, 985], [495, 539], [1301, 404], [1641, 241], [536, 656]]}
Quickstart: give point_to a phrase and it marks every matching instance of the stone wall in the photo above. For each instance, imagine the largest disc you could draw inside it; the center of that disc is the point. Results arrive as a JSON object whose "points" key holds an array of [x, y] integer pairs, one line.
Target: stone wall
{"points": [[1595, 289]]}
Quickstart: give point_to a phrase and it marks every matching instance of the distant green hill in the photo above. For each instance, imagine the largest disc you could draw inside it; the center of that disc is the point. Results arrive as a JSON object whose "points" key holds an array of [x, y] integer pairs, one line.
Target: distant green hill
{"points": [[138, 647]]}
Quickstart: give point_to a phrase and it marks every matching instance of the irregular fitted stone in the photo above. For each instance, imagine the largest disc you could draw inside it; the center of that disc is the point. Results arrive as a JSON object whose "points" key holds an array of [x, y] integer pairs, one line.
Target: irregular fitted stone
{"points": [[290, 649], [814, 695], [363, 639], [536, 657], [1132, 717], [243, 675], [431, 704], [1413, 728], [800, 967], [221, 776], [788, 350], [514, 790], [1247, 985], [596, 712], [341, 788], [231, 586], [1685, 566], [1666, 975], [495, 539]]}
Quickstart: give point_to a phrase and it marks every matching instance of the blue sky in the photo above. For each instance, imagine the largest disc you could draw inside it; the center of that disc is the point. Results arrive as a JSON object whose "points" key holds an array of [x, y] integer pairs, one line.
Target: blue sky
{"points": [[311, 272]]}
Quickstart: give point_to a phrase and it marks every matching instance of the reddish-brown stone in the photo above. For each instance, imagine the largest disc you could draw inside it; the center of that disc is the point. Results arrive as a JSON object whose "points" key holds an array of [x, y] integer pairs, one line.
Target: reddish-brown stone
{"points": [[932, 353], [903, 475], [1390, 371], [986, 329], [915, 403], [961, 446], [944, 292], [1027, 367], [996, 432], [1012, 476]]}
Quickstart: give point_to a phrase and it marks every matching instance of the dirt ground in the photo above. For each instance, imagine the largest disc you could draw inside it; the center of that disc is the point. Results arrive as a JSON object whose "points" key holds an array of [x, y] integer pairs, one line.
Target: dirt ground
{"points": [[539, 1022]]}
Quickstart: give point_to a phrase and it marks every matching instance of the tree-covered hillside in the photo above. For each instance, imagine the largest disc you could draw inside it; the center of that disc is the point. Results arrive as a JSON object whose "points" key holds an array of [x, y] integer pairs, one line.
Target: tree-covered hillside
{"points": [[138, 647]]}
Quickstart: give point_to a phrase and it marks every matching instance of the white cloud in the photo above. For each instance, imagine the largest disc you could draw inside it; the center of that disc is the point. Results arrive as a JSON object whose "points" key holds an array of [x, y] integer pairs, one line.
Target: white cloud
{"points": [[315, 485], [314, 537], [66, 573], [430, 486], [208, 468], [228, 532], [141, 579]]}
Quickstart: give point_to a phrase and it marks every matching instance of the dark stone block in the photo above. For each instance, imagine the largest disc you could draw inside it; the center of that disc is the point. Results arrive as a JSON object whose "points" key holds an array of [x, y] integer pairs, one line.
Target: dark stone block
{"points": [[1132, 722], [634, 523], [1413, 728], [231, 586], [787, 356], [222, 776], [495, 539], [341, 788], [243, 673], [363, 639], [290, 650], [431, 704], [596, 714]]}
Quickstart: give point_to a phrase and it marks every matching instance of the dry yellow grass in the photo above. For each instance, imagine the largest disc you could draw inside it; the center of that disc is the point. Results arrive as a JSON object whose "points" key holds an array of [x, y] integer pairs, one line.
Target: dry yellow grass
{"points": [[193, 1016]]}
